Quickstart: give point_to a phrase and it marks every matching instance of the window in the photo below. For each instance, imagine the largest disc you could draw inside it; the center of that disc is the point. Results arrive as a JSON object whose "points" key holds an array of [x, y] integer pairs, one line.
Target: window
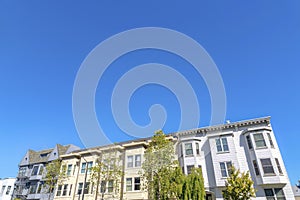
{"points": [[222, 145], [8, 190], [65, 190], [90, 165], [58, 192], [270, 140], [249, 142], [137, 160], [35, 170], [129, 161], [197, 148], [39, 189], [33, 189], [110, 186], [128, 184], [70, 191], [41, 170], [278, 166], [22, 171], [83, 167], [188, 149], [189, 168], [267, 166], [256, 168], [69, 170], [3, 188], [80, 185], [279, 194], [274, 194], [259, 140], [225, 168], [103, 187], [86, 188], [269, 194], [137, 183]]}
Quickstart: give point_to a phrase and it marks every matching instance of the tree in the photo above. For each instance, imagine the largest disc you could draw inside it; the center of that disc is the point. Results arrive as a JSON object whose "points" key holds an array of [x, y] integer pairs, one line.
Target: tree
{"points": [[193, 186], [55, 173], [107, 172], [161, 172], [238, 186]]}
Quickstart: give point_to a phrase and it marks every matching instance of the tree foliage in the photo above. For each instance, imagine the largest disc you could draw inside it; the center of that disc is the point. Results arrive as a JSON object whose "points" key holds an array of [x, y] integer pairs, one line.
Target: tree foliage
{"points": [[107, 168], [193, 186], [160, 168], [238, 186], [163, 176], [55, 173]]}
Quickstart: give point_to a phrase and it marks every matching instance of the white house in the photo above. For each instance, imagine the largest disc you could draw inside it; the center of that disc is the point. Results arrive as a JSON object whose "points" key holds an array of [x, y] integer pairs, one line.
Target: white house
{"points": [[6, 188]]}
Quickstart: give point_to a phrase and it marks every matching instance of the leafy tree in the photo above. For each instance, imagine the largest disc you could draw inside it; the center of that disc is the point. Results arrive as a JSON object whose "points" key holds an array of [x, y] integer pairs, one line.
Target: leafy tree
{"points": [[238, 186], [161, 172], [193, 186], [55, 173], [108, 168], [197, 184]]}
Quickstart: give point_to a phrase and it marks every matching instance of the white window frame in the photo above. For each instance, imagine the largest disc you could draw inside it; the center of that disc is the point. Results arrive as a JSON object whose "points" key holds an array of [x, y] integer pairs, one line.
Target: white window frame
{"points": [[226, 165], [220, 142], [262, 139]]}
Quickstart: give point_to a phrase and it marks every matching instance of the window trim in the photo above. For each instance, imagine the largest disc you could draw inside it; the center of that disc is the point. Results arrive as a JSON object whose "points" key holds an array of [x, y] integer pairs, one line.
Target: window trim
{"points": [[227, 169], [262, 139], [267, 166], [280, 171], [190, 150], [256, 168], [220, 142], [249, 142]]}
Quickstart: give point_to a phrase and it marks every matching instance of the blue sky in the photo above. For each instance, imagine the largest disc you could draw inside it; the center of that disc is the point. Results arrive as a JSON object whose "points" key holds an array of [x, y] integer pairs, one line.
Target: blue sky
{"points": [[256, 46]]}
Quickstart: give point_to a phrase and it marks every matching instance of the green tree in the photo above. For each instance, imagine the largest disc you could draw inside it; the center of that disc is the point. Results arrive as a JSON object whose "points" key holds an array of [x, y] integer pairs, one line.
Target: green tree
{"points": [[107, 171], [55, 173], [161, 174], [193, 186], [238, 186]]}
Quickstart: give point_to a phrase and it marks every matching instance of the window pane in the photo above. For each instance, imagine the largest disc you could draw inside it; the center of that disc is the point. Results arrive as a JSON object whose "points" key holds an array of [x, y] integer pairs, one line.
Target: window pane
{"points": [[278, 166], [128, 184], [83, 166], [129, 161], [188, 149], [110, 187], [256, 167], [137, 160], [270, 140], [269, 193], [218, 144], [223, 169], [79, 188], [259, 140], [197, 149], [250, 146], [137, 183], [267, 166], [225, 144]]}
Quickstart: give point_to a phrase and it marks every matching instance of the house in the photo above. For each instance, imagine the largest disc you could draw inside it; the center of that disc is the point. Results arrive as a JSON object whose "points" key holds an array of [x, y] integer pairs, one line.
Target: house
{"points": [[249, 145], [6, 188], [30, 179]]}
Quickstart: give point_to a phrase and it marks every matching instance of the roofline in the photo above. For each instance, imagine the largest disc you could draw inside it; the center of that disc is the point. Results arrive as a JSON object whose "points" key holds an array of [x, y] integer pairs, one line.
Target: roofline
{"points": [[225, 126]]}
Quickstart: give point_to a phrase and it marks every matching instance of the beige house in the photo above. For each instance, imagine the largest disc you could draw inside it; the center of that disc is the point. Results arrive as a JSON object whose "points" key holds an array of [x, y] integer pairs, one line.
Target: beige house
{"points": [[122, 179]]}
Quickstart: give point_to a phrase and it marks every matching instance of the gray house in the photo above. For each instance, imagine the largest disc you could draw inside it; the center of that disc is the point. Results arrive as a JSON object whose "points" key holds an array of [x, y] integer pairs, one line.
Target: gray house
{"points": [[30, 179]]}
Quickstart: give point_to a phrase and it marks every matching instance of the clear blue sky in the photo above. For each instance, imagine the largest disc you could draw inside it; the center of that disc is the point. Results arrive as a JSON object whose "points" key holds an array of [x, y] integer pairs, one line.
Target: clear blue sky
{"points": [[256, 46]]}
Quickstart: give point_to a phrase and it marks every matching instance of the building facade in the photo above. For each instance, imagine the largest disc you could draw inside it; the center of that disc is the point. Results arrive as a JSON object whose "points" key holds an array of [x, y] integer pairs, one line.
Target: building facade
{"points": [[248, 145], [30, 179], [6, 187]]}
